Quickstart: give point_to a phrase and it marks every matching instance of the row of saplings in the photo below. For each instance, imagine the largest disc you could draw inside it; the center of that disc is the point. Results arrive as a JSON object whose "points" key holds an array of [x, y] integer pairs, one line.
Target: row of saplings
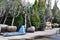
{"points": [[4, 28]]}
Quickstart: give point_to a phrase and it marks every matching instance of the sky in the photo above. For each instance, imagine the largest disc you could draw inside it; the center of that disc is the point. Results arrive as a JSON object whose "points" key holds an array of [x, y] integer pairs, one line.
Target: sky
{"points": [[58, 3], [26, 2], [52, 3]]}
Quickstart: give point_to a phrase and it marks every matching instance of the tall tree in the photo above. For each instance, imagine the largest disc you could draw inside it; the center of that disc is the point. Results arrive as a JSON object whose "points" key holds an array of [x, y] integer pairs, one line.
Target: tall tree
{"points": [[15, 11], [55, 11], [48, 11], [41, 10], [19, 17], [2, 9], [35, 17], [8, 5]]}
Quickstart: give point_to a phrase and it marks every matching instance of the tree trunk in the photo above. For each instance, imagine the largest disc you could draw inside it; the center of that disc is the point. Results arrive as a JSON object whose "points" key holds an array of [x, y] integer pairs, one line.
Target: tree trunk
{"points": [[12, 21], [29, 20], [5, 19], [25, 16], [25, 20]]}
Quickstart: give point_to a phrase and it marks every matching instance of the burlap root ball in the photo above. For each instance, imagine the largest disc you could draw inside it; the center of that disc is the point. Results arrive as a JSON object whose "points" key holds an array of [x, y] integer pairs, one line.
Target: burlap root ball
{"points": [[48, 25], [12, 28], [3, 27], [31, 29], [55, 25]]}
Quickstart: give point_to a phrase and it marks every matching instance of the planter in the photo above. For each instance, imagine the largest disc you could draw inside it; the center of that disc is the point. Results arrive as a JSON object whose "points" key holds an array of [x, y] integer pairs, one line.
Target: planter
{"points": [[12, 28], [42, 27], [31, 29]]}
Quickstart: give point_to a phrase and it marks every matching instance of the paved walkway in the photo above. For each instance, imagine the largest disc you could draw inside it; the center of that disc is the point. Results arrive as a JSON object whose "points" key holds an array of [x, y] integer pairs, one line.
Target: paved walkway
{"points": [[53, 37], [32, 35]]}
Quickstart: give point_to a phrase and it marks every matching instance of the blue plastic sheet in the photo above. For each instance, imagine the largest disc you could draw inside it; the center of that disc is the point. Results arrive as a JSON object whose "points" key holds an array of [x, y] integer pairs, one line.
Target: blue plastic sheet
{"points": [[20, 32]]}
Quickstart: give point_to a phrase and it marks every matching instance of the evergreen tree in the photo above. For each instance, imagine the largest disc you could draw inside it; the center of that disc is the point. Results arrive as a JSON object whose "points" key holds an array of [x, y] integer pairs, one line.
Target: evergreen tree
{"points": [[55, 11], [41, 10], [48, 11], [35, 17]]}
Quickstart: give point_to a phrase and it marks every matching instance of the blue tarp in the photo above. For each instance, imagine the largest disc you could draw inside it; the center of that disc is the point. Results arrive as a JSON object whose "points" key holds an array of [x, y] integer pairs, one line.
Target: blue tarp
{"points": [[20, 32]]}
